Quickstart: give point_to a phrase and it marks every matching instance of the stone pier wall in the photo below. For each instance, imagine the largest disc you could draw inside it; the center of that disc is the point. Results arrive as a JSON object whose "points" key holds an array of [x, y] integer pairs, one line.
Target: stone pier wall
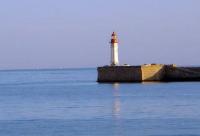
{"points": [[182, 73], [153, 72], [119, 74]]}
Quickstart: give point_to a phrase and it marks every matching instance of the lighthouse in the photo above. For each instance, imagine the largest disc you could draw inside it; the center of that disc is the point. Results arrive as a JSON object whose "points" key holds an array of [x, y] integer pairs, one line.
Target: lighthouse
{"points": [[114, 50]]}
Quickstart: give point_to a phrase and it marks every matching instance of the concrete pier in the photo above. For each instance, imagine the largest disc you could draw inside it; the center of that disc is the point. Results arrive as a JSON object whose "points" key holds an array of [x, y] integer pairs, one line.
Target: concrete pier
{"points": [[119, 74], [145, 73]]}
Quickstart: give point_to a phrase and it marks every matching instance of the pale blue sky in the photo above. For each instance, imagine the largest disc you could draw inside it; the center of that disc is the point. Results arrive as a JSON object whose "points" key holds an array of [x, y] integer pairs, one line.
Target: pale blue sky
{"points": [[76, 33]]}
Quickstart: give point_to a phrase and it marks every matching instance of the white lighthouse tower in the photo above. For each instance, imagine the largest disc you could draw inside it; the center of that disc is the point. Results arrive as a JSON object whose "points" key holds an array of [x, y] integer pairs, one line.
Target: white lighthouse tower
{"points": [[114, 50]]}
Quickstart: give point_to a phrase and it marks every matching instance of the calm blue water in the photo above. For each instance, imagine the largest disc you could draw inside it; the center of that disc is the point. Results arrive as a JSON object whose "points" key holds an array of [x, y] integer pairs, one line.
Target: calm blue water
{"points": [[70, 103]]}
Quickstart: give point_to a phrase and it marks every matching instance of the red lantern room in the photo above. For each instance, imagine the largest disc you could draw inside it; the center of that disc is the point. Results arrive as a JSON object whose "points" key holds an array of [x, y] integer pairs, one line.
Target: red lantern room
{"points": [[114, 38]]}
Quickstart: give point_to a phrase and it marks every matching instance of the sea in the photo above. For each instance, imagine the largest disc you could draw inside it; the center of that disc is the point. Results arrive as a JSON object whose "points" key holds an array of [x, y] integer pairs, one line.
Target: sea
{"points": [[69, 102]]}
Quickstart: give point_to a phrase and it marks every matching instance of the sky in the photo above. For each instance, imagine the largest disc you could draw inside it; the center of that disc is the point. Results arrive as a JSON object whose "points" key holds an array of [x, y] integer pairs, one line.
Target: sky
{"points": [[76, 33]]}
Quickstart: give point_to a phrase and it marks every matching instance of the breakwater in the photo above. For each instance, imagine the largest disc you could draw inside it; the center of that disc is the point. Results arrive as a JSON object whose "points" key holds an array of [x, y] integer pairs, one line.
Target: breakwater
{"points": [[151, 72]]}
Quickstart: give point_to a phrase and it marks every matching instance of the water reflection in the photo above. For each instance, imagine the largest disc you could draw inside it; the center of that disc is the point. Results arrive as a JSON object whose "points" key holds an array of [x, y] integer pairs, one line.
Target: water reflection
{"points": [[151, 83], [116, 103], [116, 110]]}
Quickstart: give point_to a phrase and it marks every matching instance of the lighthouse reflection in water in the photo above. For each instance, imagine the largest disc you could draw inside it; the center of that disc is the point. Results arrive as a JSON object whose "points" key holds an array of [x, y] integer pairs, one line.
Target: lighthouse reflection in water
{"points": [[116, 102]]}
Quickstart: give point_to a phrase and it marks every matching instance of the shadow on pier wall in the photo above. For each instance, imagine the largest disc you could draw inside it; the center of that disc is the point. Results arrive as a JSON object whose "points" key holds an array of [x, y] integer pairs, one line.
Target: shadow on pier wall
{"points": [[182, 74], [119, 74]]}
